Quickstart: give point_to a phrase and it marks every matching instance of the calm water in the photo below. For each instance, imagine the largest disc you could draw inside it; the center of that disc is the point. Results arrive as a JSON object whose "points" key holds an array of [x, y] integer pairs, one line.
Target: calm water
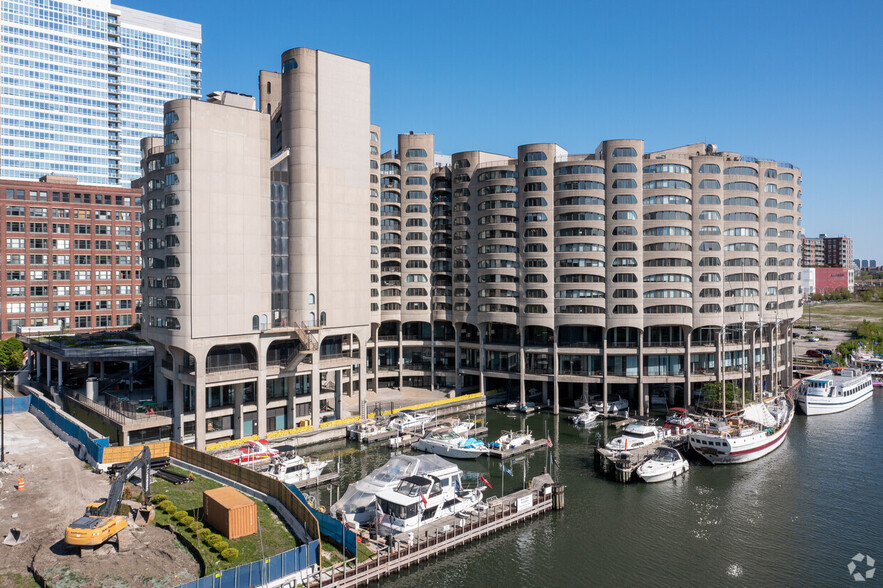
{"points": [[793, 518]]}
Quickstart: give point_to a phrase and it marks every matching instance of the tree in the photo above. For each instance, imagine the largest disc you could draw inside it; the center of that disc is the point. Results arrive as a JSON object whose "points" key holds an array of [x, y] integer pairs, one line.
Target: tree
{"points": [[11, 352], [712, 393]]}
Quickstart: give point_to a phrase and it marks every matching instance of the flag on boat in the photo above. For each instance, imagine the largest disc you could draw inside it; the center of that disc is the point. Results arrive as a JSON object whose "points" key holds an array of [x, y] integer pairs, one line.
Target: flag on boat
{"points": [[457, 486], [507, 470], [488, 484], [423, 498], [379, 510], [555, 461], [549, 439]]}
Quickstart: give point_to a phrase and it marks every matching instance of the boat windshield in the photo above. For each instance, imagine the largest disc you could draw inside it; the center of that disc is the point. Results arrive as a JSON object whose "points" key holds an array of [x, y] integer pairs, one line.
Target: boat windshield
{"points": [[413, 486], [640, 434]]}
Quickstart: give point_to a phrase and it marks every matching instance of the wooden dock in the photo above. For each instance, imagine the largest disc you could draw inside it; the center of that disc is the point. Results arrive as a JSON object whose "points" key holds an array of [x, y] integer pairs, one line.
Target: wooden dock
{"points": [[319, 481], [507, 453], [432, 542]]}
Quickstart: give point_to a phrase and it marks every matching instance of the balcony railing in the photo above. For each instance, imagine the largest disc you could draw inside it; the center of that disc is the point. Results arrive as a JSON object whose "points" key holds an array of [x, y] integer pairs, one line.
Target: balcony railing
{"points": [[216, 369]]}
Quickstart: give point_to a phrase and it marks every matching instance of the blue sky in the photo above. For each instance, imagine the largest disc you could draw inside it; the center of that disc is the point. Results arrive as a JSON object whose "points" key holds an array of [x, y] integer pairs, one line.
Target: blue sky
{"points": [[790, 81]]}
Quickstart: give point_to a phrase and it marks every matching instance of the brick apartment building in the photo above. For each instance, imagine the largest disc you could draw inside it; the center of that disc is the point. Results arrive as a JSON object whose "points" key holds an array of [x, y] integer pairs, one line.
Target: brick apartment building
{"points": [[72, 255]]}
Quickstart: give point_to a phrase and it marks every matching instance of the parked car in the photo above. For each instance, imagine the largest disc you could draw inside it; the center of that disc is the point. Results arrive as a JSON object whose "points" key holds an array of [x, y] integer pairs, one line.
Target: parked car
{"points": [[813, 339], [815, 328], [797, 335], [815, 353], [825, 351]]}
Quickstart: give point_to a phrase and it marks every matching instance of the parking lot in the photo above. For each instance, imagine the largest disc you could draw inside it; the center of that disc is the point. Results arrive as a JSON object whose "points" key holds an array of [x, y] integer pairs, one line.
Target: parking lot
{"points": [[827, 340]]}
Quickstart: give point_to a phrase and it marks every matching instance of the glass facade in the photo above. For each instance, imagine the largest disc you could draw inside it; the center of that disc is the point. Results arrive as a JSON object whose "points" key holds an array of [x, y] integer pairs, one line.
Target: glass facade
{"points": [[83, 82]]}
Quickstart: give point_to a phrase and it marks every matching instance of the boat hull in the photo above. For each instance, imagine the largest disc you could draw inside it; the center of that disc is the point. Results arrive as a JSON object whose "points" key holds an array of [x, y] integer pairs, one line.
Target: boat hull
{"points": [[738, 449], [816, 405], [448, 450], [663, 475]]}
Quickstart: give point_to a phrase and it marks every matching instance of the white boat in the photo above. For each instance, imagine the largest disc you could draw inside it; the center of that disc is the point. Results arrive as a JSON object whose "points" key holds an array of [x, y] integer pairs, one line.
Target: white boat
{"points": [[356, 506], [586, 402], [614, 404], [665, 464], [678, 419], [294, 469], [457, 425], [636, 435], [254, 452], [585, 418], [445, 442], [877, 379], [409, 420], [830, 392], [513, 439], [420, 500], [747, 435]]}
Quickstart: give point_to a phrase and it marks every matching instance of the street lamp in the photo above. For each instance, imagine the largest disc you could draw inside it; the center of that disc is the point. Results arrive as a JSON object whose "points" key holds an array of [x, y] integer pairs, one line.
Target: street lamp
{"points": [[2, 417]]}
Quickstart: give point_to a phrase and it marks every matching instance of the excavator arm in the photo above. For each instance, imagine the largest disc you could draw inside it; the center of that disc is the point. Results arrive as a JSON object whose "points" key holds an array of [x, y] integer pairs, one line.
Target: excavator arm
{"points": [[142, 460]]}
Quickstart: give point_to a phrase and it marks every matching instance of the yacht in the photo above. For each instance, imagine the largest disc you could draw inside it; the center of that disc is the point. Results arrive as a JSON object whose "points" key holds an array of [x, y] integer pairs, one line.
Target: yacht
{"points": [[678, 419], [877, 378], [513, 439], [586, 418], [409, 420], [445, 442], [746, 435], [418, 500], [254, 452], [636, 435], [291, 469], [356, 506], [834, 391], [665, 464], [614, 404]]}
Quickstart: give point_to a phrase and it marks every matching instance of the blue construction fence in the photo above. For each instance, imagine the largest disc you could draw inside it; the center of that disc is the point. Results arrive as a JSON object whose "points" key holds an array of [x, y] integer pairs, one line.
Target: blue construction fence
{"points": [[94, 447], [330, 527], [258, 573], [20, 404]]}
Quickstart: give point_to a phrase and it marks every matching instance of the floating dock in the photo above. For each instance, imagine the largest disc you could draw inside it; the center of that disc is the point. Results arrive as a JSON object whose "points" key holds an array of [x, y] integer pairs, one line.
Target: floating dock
{"points": [[319, 481], [507, 453], [620, 465], [441, 537]]}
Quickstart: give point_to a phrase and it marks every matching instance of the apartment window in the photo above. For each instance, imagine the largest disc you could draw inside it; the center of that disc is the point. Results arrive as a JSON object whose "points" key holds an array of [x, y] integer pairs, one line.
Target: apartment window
{"points": [[82, 322]]}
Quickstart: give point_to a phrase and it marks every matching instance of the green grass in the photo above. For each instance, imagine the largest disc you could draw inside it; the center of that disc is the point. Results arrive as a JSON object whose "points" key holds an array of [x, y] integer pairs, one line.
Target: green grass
{"points": [[275, 533], [841, 316], [15, 580]]}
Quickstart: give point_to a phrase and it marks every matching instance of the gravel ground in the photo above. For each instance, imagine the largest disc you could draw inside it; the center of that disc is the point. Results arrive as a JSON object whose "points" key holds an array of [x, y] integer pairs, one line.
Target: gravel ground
{"points": [[58, 486]]}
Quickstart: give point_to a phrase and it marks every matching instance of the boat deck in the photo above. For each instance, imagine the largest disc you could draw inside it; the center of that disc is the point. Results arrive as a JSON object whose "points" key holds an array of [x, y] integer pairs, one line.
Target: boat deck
{"points": [[507, 453]]}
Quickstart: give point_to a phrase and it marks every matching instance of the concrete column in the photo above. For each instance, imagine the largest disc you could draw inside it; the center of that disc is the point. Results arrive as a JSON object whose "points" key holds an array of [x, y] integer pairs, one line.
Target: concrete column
{"points": [[290, 409], [315, 390], [774, 347], [522, 389], [752, 371], [160, 390], [48, 371], [641, 391], [789, 355], [199, 394], [261, 395], [605, 384], [375, 355], [545, 392], [39, 366], [671, 393], [688, 376], [556, 396], [585, 393], [101, 370], [363, 375], [238, 397], [60, 370], [481, 359], [177, 410], [401, 357], [432, 357], [338, 392], [90, 369], [458, 379], [719, 356]]}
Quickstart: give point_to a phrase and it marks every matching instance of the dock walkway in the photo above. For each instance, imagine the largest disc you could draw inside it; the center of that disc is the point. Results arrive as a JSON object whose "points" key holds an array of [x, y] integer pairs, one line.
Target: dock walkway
{"points": [[507, 453], [510, 510]]}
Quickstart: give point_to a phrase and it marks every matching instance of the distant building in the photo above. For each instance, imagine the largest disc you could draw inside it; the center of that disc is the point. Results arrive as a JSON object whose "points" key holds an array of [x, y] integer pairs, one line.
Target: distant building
{"points": [[822, 280], [826, 251], [865, 264]]}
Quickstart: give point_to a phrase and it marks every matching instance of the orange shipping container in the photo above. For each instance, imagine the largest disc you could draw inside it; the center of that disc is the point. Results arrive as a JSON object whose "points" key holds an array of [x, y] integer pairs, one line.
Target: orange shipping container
{"points": [[229, 511]]}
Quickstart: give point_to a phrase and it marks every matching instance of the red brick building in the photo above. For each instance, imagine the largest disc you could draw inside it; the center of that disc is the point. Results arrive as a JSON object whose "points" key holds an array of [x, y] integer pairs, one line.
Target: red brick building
{"points": [[72, 255], [828, 279]]}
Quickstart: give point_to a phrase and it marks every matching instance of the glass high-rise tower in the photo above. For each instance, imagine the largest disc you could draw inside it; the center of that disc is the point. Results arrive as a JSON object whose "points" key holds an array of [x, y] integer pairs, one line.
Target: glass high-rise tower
{"points": [[82, 81]]}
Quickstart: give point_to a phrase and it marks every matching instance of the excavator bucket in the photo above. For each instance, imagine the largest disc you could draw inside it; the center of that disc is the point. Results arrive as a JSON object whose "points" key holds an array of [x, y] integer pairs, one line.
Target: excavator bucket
{"points": [[15, 537], [143, 516]]}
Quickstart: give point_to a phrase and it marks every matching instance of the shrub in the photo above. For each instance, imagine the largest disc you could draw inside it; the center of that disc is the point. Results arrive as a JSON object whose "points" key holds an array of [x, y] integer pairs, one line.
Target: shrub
{"points": [[165, 504], [213, 538], [193, 527], [187, 521], [170, 509], [204, 533], [179, 515], [220, 546], [230, 553], [158, 498]]}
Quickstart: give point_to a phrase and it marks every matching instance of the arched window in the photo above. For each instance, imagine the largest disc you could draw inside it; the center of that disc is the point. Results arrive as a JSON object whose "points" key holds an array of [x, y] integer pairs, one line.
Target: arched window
{"points": [[255, 323], [322, 319]]}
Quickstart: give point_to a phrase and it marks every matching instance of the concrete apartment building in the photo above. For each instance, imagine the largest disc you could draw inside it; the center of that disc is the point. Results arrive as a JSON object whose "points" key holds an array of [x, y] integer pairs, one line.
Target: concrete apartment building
{"points": [[72, 256], [825, 251], [288, 262], [84, 81]]}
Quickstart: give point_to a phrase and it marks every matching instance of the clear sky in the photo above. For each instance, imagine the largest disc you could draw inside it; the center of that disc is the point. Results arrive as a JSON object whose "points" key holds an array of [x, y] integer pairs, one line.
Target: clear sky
{"points": [[799, 81]]}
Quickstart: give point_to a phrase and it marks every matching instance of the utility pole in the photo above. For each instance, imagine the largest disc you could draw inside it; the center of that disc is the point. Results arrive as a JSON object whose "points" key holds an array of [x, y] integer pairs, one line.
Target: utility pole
{"points": [[2, 417]]}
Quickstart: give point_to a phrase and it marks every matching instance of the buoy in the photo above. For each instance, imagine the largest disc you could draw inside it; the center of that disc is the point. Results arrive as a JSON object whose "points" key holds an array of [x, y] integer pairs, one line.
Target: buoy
{"points": [[21, 485]]}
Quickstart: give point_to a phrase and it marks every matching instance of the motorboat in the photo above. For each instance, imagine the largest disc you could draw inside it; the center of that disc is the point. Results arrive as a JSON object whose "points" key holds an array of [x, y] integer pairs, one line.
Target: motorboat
{"points": [[658, 400], [587, 401], [357, 505], [457, 425], [678, 418], [614, 404], [665, 464], [253, 452], [586, 418], [445, 442], [364, 431], [746, 435], [291, 469], [513, 439], [877, 379], [422, 499], [409, 420], [635, 435], [834, 391]]}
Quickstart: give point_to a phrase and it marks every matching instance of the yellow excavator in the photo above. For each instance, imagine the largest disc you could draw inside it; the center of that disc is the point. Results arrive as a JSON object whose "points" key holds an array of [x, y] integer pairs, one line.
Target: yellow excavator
{"points": [[102, 520]]}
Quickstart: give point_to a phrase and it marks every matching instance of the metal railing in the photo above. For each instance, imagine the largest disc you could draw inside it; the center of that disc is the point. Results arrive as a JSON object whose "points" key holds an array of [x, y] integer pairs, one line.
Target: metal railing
{"points": [[215, 369]]}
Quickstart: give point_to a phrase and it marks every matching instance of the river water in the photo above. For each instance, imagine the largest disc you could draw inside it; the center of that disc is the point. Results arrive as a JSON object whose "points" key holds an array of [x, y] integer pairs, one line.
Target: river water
{"points": [[793, 518]]}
